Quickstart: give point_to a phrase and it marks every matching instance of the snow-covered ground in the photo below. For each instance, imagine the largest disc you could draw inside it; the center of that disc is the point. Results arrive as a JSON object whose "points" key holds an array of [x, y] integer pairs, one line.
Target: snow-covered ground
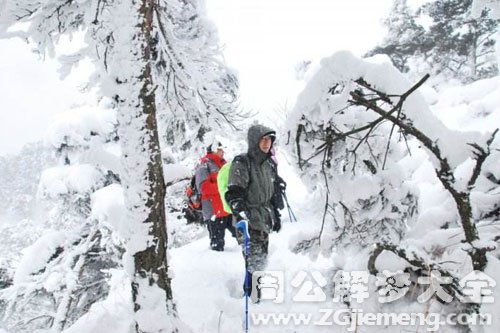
{"points": [[207, 285]]}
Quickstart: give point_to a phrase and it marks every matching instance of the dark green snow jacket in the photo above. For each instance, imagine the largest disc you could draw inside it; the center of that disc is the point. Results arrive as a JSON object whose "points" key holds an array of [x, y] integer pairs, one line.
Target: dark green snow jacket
{"points": [[251, 178]]}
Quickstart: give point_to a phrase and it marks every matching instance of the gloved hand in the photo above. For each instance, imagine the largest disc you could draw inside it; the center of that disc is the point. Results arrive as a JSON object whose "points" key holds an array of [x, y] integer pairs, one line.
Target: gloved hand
{"points": [[240, 209], [277, 225], [281, 183], [277, 221]]}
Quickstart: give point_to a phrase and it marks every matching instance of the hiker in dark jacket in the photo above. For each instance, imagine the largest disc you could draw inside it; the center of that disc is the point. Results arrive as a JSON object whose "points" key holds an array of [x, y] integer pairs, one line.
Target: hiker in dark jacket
{"points": [[215, 217], [251, 193]]}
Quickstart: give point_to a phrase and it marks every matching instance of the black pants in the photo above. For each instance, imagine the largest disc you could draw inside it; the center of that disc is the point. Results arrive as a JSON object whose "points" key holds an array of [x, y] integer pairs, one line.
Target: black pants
{"points": [[217, 230]]}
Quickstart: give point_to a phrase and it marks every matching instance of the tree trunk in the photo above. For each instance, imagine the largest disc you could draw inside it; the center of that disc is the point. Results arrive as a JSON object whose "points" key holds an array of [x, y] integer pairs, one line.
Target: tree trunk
{"points": [[152, 262], [473, 57], [143, 181]]}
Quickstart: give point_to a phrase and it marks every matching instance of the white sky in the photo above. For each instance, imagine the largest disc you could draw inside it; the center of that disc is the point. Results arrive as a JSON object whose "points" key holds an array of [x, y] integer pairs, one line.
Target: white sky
{"points": [[263, 40], [31, 95]]}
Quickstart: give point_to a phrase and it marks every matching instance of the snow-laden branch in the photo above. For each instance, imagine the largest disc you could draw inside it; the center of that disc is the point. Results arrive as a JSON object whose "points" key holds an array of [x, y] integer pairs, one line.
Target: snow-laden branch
{"points": [[349, 107], [444, 172]]}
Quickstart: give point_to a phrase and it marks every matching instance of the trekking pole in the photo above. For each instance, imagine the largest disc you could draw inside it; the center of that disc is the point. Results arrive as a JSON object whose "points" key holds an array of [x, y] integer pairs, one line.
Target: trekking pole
{"points": [[243, 226], [290, 212]]}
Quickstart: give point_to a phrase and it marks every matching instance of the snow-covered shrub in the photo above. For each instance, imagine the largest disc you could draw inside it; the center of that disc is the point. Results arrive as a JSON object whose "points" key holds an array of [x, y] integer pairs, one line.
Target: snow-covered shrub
{"points": [[362, 175], [364, 137]]}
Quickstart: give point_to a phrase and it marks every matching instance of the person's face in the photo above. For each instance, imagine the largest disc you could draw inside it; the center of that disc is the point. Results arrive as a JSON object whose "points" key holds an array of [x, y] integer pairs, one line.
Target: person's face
{"points": [[220, 152], [265, 144]]}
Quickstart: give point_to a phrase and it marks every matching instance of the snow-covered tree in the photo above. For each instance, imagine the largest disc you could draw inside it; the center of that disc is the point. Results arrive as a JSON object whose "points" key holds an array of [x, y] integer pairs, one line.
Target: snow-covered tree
{"points": [[201, 97], [85, 141], [364, 190], [150, 57], [19, 178], [20, 227], [362, 131], [463, 45], [66, 269], [405, 37], [445, 36], [493, 5]]}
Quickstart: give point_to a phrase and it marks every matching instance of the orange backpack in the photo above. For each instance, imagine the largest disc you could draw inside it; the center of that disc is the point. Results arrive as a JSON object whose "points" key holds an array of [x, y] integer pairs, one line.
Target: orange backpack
{"points": [[193, 195]]}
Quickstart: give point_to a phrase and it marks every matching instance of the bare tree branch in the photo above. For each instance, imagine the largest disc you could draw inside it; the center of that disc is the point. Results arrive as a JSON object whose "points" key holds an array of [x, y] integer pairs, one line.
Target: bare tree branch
{"points": [[481, 156]]}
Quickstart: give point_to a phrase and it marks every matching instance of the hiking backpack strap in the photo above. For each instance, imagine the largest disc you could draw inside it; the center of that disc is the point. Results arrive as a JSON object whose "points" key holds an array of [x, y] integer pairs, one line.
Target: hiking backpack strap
{"points": [[235, 191]]}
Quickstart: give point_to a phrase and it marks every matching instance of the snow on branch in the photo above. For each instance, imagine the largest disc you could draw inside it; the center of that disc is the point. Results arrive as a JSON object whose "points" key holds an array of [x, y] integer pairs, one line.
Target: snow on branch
{"points": [[445, 171], [351, 110], [415, 261]]}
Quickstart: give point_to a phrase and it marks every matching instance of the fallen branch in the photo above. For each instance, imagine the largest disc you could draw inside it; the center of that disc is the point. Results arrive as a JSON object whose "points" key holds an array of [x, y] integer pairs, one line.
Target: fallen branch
{"points": [[453, 288]]}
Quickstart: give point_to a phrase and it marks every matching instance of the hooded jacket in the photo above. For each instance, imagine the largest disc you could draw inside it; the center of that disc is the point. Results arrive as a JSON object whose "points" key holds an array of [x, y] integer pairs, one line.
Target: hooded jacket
{"points": [[251, 178]]}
